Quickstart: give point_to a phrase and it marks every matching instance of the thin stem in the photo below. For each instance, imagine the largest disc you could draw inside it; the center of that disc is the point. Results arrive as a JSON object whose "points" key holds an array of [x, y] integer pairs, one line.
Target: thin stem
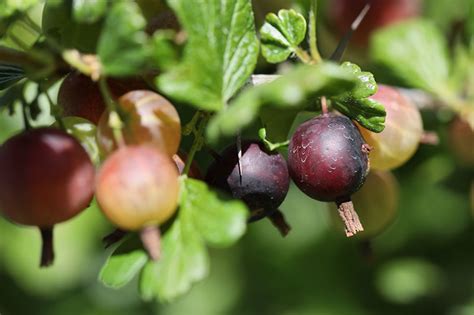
{"points": [[115, 119], [303, 55], [239, 156], [47, 251], [191, 125], [198, 142], [313, 46], [324, 105], [341, 47], [278, 220], [26, 122], [429, 137], [54, 110]]}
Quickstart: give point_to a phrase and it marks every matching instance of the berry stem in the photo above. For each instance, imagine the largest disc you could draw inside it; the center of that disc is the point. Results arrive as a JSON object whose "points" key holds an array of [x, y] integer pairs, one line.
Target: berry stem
{"points": [[303, 55], [278, 220], [324, 105], [47, 251], [115, 118], [24, 113], [191, 125], [54, 109], [349, 217], [116, 236], [151, 239], [430, 138]]}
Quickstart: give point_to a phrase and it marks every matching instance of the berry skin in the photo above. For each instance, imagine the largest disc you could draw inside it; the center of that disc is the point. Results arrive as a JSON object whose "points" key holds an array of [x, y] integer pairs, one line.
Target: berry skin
{"points": [[46, 178], [326, 159], [137, 186], [397, 143], [148, 118], [263, 183], [461, 140]]}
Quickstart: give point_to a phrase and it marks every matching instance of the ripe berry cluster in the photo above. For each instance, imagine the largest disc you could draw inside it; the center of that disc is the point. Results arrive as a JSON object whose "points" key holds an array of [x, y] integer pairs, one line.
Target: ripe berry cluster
{"points": [[137, 185]]}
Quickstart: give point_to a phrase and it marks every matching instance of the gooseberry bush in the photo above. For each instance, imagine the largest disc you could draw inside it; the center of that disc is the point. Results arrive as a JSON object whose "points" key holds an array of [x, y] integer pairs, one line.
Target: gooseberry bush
{"points": [[146, 87]]}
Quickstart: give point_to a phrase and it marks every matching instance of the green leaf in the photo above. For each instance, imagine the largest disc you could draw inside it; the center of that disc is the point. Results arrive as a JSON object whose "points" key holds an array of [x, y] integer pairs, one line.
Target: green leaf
{"points": [[9, 7], [356, 104], [121, 268], [416, 52], [367, 112], [289, 91], [366, 85], [88, 11], [221, 52], [123, 46], [60, 24], [9, 75], [184, 261], [280, 35], [219, 221], [204, 216]]}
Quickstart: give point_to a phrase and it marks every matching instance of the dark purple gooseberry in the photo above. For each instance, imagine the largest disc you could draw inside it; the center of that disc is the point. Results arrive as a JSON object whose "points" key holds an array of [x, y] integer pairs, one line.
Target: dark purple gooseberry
{"points": [[262, 181], [328, 161]]}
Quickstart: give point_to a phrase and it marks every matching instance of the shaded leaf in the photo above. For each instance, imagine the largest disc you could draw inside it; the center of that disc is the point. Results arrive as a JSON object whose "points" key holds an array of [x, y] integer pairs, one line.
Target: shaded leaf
{"points": [[123, 45], [122, 267]]}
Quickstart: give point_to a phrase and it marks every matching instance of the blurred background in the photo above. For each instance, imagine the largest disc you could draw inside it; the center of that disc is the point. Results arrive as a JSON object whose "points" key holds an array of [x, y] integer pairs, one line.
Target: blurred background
{"points": [[420, 263]]}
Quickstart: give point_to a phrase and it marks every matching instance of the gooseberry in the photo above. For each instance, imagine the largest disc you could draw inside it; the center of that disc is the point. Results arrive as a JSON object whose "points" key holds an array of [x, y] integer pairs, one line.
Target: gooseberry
{"points": [[261, 180], [397, 143], [137, 188], [46, 177], [148, 118], [328, 161]]}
